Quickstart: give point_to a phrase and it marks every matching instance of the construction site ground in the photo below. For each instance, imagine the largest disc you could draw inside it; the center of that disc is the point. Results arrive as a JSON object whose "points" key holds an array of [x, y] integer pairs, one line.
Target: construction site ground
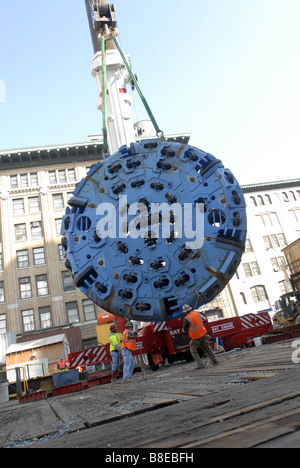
{"points": [[252, 399]]}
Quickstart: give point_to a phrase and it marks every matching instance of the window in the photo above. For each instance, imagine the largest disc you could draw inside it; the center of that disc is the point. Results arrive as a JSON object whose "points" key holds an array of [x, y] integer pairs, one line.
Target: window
{"points": [[72, 312], [22, 258], [36, 230], [20, 232], [278, 263], [24, 180], [58, 201], [18, 206], [25, 288], [61, 253], [253, 201], [88, 310], [34, 180], [34, 204], [269, 219], [259, 294], [2, 297], [67, 280], [292, 195], [62, 176], [282, 240], [2, 323], [268, 200], [13, 181], [274, 241], [45, 317], [72, 175], [295, 214], [285, 287], [243, 298], [41, 285], [260, 200], [285, 197], [39, 256], [28, 320], [58, 222], [52, 177], [1, 262], [251, 269], [248, 246]]}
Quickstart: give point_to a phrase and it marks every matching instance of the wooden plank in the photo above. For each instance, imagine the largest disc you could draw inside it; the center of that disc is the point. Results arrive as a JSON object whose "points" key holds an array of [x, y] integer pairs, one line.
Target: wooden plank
{"points": [[187, 433], [187, 406], [254, 377], [255, 433], [291, 440], [68, 416], [26, 422]]}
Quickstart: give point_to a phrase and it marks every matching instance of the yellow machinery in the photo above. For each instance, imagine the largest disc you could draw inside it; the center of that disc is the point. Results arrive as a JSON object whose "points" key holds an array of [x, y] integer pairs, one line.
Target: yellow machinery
{"points": [[289, 314], [105, 320]]}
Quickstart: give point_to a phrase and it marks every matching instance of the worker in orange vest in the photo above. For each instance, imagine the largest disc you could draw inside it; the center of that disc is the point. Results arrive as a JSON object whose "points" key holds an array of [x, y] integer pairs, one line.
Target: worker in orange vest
{"points": [[63, 364], [127, 348], [193, 325]]}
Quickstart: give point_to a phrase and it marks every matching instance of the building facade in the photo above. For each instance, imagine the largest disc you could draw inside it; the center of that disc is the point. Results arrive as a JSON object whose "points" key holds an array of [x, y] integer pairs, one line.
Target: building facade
{"points": [[273, 213], [36, 289]]}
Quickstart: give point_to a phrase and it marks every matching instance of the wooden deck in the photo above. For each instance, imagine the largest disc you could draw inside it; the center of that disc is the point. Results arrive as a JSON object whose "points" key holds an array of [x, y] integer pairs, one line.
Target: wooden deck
{"points": [[250, 400]]}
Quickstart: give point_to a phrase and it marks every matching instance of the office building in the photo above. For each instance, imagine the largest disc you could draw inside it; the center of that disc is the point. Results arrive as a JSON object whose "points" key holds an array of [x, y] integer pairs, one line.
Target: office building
{"points": [[36, 289]]}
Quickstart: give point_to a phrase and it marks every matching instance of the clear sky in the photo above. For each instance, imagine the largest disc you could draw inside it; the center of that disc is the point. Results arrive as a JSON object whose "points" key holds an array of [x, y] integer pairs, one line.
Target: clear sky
{"points": [[227, 71]]}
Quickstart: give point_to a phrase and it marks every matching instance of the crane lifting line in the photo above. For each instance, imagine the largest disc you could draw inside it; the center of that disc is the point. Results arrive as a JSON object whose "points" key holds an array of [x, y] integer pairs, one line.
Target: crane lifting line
{"points": [[104, 96], [159, 132]]}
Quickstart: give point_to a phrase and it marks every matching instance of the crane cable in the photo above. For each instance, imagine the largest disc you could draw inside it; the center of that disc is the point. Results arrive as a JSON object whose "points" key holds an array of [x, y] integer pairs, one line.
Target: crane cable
{"points": [[104, 96], [159, 132]]}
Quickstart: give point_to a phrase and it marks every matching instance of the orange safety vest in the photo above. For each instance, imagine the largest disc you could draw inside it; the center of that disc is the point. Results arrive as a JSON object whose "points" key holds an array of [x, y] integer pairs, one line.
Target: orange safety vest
{"points": [[196, 329], [62, 364], [129, 343]]}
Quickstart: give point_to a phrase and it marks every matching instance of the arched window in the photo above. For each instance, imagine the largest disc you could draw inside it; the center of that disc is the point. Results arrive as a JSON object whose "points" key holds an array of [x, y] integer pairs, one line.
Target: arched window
{"points": [[259, 293], [253, 201], [260, 200], [277, 198], [268, 199], [243, 298], [285, 197]]}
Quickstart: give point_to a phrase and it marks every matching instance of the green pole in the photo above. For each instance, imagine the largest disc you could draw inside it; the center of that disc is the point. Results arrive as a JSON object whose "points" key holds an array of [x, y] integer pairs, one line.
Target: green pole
{"points": [[134, 80], [104, 96]]}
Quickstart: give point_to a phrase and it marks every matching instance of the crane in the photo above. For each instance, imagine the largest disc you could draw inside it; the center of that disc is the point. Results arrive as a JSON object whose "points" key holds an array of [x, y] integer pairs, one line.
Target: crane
{"points": [[116, 102]]}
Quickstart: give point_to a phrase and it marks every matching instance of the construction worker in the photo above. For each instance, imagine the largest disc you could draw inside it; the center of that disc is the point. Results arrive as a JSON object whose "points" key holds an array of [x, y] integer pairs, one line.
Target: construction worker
{"points": [[62, 364], [193, 325], [115, 349], [128, 346]]}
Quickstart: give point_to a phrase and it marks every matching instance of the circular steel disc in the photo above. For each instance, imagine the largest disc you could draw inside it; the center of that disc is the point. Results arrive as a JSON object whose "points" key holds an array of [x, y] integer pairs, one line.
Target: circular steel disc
{"points": [[154, 257]]}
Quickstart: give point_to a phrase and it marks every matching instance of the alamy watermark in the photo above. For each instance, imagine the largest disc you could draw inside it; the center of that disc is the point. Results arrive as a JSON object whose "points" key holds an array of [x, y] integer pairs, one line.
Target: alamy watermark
{"points": [[152, 221], [296, 353], [2, 92]]}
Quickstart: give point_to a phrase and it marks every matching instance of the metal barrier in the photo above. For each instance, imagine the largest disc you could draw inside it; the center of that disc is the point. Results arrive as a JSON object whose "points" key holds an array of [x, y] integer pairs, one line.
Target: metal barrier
{"points": [[23, 376], [23, 379]]}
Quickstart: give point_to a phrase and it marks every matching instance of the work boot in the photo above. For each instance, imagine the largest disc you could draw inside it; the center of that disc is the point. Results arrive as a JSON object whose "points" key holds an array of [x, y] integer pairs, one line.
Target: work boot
{"points": [[114, 376], [200, 365]]}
